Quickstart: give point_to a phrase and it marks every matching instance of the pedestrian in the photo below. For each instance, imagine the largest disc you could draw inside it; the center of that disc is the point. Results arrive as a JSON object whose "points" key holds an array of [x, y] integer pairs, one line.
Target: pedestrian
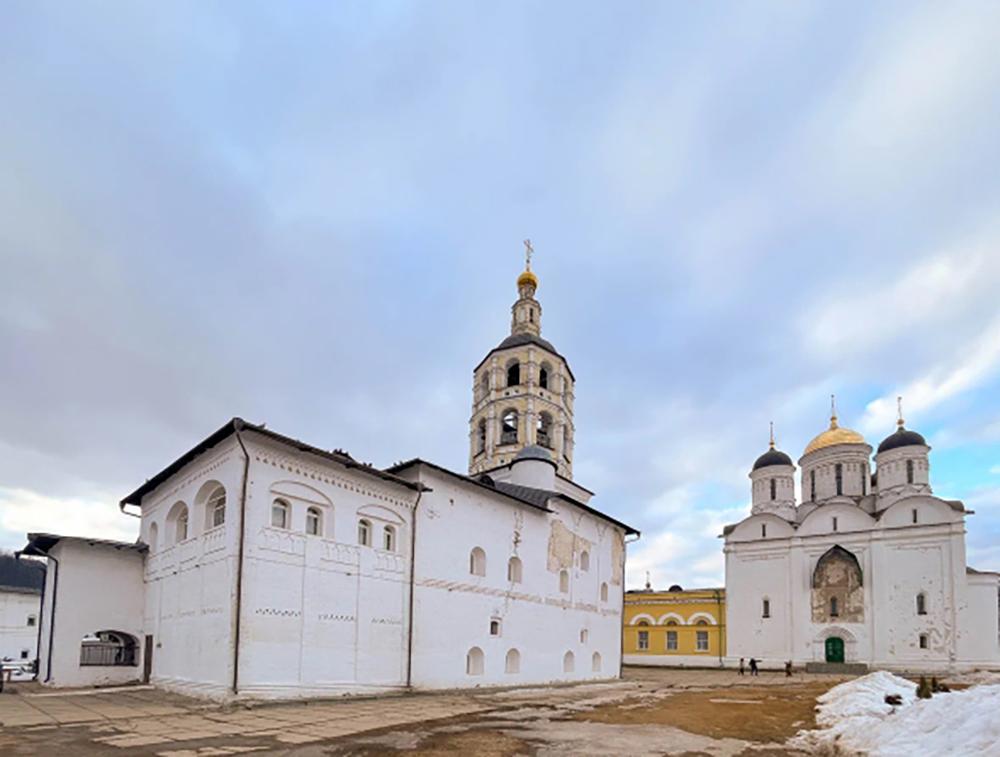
{"points": [[753, 666], [743, 671], [788, 669]]}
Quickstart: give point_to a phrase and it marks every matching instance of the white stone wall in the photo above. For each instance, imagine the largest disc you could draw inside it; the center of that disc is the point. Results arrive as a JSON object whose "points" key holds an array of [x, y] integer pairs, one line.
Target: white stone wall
{"points": [[16, 636], [453, 609], [99, 589]]}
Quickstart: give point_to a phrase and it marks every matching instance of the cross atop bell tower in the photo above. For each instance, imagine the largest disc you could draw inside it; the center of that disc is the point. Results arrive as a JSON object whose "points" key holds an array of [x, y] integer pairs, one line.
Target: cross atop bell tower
{"points": [[526, 313]]}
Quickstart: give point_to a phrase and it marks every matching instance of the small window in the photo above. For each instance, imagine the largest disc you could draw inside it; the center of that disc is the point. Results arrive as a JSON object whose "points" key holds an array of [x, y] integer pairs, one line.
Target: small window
{"points": [[585, 560], [32, 620], [474, 662], [216, 506], [584, 635], [494, 627], [543, 377], [834, 610], [643, 640], [482, 435], [671, 641], [923, 641], [154, 538], [812, 486], [484, 385], [364, 533], [921, 604], [595, 662], [314, 521], [915, 518], [604, 592], [512, 663], [763, 530], [909, 471], [671, 622], [514, 374], [774, 489], [702, 623], [508, 427], [25, 653], [564, 581], [643, 623], [543, 430], [389, 539], [701, 641], [569, 662], [514, 570], [279, 514], [839, 473], [477, 562], [864, 480], [834, 522], [766, 609], [182, 526]]}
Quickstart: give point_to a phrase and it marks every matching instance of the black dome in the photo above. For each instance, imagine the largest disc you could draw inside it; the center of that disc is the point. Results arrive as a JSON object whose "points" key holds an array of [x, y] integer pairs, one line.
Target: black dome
{"points": [[772, 457], [901, 438]]}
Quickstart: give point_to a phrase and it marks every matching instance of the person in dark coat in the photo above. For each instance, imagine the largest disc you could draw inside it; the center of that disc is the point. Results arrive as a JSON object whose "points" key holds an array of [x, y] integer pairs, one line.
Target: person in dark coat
{"points": [[743, 671], [753, 666], [788, 669]]}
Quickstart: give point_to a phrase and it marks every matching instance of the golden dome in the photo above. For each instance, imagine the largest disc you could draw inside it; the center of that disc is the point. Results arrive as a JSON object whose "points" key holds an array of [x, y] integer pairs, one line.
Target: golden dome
{"points": [[834, 435], [527, 278]]}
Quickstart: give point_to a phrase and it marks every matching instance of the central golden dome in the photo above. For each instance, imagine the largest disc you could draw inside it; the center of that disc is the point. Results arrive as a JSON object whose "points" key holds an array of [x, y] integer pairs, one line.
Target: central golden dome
{"points": [[834, 435], [527, 277]]}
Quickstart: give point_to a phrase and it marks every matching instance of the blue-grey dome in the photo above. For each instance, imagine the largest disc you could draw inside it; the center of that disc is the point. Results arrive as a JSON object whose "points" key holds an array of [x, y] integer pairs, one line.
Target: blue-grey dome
{"points": [[534, 452], [772, 457], [901, 437]]}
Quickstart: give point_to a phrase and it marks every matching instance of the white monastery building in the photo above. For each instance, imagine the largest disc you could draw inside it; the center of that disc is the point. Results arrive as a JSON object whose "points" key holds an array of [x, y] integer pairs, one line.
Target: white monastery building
{"points": [[270, 568], [21, 584], [868, 569]]}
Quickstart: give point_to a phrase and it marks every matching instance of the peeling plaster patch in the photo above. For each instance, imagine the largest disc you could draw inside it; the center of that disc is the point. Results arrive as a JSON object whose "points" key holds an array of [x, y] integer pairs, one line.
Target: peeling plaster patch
{"points": [[617, 557], [563, 546]]}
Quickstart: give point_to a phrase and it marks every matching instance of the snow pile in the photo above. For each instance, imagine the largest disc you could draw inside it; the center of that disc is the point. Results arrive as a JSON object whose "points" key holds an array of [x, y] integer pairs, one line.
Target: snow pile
{"points": [[855, 719]]}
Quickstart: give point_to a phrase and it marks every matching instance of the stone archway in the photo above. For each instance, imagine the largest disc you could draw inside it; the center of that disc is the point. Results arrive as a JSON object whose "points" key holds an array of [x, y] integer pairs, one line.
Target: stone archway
{"points": [[835, 642]]}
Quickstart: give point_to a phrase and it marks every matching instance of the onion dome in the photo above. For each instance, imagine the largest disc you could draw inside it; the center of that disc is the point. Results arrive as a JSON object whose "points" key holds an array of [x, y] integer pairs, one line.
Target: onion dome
{"points": [[772, 457], [834, 435], [901, 437], [527, 278]]}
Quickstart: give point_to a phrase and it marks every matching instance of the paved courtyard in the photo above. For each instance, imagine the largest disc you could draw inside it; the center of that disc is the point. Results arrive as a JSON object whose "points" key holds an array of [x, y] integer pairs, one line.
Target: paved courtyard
{"points": [[650, 712]]}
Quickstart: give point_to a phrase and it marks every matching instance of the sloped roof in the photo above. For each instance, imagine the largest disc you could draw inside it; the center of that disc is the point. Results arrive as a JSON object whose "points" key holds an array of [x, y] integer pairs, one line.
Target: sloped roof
{"points": [[21, 576]]}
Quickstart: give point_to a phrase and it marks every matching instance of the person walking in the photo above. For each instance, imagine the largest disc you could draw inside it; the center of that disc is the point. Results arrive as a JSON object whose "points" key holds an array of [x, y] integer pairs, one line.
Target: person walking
{"points": [[743, 671], [753, 666], [788, 669]]}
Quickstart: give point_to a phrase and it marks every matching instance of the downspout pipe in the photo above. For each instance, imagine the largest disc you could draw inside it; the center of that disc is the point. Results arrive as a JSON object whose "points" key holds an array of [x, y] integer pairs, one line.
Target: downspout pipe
{"points": [[38, 641], [237, 425], [722, 624], [621, 616], [413, 563]]}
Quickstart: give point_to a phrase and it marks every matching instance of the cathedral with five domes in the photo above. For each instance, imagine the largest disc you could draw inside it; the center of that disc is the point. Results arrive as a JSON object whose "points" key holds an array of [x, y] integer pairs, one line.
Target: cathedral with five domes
{"points": [[867, 569]]}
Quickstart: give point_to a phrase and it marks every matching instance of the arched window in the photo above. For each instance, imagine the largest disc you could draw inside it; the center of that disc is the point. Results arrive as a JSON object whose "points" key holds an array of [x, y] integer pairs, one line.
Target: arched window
{"points": [[512, 663], [482, 435], [774, 489], [543, 376], [864, 480], [484, 384], [215, 507], [921, 604], [909, 471], [177, 523], [671, 622], [543, 430], [569, 662], [364, 533], [604, 592], [280, 512], [154, 537], [585, 560], [834, 523], [513, 373], [584, 635], [595, 662], [839, 474], [477, 562], [514, 570], [564, 581], [763, 530], [474, 662], [314, 522], [702, 623], [508, 427], [495, 627], [643, 623], [834, 609], [389, 539], [766, 608], [812, 486], [108, 649]]}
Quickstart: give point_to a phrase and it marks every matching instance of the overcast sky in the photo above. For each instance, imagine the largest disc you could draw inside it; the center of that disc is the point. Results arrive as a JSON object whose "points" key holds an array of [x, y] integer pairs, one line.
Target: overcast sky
{"points": [[311, 215]]}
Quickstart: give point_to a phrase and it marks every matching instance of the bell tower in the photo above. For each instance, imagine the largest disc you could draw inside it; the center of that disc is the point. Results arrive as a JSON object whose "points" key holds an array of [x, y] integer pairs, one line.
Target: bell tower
{"points": [[522, 391]]}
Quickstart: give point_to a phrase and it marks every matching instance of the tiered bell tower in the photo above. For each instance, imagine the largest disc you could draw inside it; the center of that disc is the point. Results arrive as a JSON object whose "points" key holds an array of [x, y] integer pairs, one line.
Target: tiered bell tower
{"points": [[522, 392]]}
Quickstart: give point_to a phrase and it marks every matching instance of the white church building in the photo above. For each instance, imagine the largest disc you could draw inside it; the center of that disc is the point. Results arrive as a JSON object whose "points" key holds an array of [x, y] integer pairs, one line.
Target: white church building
{"points": [[271, 568], [868, 569]]}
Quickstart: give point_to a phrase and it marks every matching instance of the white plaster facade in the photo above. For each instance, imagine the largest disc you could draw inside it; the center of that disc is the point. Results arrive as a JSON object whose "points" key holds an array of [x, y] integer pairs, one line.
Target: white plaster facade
{"points": [[909, 603], [20, 609]]}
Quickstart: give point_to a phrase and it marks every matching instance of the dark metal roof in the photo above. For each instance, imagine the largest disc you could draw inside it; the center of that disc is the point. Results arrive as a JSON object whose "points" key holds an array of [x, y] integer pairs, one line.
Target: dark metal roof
{"points": [[772, 457], [535, 452], [974, 572], [522, 340], [40, 544], [537, 498], [901, 437], [21, 576], [238, 424]]}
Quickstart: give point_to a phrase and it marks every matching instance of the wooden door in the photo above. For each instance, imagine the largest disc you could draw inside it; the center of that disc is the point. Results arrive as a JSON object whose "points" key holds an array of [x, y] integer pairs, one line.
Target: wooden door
{"points": [[147, 659]]}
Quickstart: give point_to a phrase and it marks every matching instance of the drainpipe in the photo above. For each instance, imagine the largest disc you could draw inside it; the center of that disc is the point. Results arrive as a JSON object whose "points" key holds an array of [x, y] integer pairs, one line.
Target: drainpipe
{"points": [[38, 641], [413, 562], [722, 623], [52, 618], [237, 425], [621, 614]]}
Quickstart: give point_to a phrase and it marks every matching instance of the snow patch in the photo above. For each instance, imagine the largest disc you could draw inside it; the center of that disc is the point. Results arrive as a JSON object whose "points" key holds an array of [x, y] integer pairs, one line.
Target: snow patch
{"points": [[856, 720]]}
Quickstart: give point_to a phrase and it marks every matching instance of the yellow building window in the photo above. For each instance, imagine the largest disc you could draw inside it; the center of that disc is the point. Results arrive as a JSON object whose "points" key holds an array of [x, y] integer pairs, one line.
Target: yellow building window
{"points": [[671, 641], [643, 640], [702, 641]]}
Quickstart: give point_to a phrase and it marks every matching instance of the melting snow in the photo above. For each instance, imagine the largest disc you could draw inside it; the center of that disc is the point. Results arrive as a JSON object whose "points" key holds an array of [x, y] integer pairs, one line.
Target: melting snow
{"points": [[854, 718]]}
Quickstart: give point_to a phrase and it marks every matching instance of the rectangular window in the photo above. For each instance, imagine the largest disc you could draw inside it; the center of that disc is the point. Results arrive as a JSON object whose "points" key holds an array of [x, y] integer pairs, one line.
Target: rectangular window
{"points": [[32, 620], [864, 480], [643, 640], [835, 523], [839, 473], [24, 654], [671, 641], [909, 471], [766, 613], [923, 641], [812, 486], [774, 489], [763, 530], [914, 515], [701, 642]]}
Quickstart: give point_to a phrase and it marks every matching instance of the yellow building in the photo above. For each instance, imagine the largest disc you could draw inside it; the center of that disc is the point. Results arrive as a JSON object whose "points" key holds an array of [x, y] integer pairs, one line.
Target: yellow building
{"points": [[675, 627]]}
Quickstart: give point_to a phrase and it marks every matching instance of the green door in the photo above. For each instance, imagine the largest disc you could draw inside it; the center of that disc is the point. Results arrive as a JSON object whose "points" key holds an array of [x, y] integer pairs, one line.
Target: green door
{"points": [[834, 649]]}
